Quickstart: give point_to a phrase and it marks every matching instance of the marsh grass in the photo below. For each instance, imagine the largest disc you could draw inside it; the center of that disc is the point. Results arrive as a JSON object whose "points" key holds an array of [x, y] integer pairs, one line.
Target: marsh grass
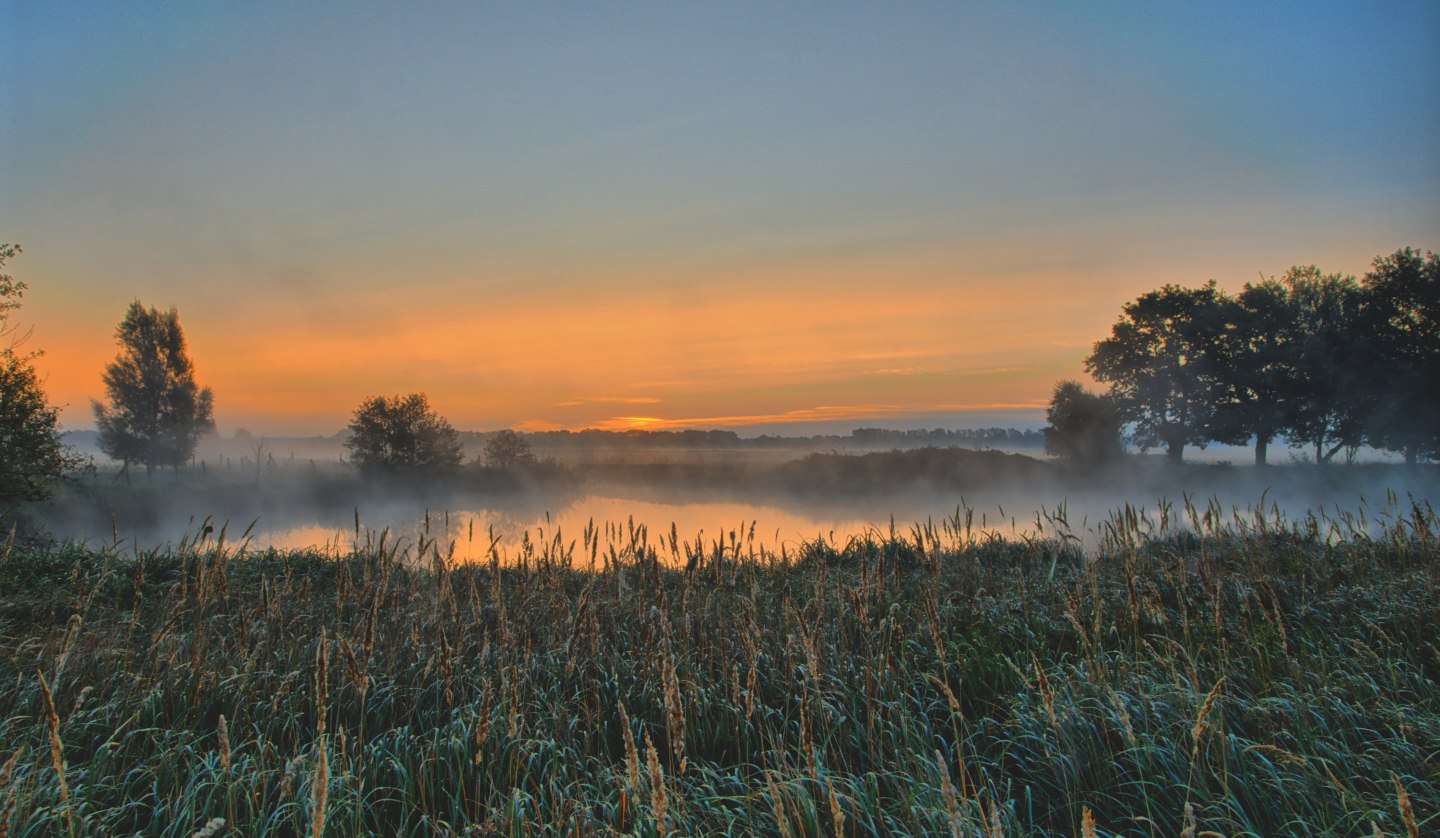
{"points": [[1195, 672]]}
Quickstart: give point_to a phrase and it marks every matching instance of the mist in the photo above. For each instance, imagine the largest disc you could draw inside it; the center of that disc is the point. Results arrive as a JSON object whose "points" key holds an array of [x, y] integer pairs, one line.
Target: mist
{"points": [[706, 487]]}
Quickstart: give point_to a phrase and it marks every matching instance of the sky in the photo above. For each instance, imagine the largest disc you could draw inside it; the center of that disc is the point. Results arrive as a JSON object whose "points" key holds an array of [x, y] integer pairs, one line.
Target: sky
{"points": [[772, 217]]}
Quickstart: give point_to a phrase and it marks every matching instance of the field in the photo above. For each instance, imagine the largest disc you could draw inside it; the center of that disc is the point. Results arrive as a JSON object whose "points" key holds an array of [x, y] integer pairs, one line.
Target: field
{"points": [[1194, 672]]}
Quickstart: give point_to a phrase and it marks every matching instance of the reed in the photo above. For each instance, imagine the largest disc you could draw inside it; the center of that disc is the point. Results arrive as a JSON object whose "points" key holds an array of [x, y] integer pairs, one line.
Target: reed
{"points": [[1229, 676]]}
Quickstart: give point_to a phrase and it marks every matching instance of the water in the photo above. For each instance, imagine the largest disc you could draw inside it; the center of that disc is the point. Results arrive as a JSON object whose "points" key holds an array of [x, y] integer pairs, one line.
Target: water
{"points": [[619, 519]]}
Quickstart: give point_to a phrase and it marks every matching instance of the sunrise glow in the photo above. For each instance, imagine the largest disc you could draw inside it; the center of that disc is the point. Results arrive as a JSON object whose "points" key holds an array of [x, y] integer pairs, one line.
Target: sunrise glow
{"points": [[753, 218]]}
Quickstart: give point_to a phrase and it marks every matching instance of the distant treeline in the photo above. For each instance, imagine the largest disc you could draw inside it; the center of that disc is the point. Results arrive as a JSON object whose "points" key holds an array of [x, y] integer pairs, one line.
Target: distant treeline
{"points": [[861, 437]]}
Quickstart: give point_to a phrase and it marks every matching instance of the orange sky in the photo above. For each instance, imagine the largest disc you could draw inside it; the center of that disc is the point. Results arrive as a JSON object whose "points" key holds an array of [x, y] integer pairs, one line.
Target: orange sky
{"points": [[768, 218]]}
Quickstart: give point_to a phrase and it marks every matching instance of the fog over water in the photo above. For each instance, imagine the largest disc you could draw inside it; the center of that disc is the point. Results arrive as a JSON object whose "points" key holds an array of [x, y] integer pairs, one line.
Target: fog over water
{"points": [[778, 505]]}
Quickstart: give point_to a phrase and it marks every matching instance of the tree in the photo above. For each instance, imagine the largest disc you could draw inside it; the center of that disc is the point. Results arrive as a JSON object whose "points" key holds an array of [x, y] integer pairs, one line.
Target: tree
{"points": [[32, 457], [1329, 357], [402, 434], [156, 412], [1084, 427], [1255, 365], [1162, 363], [507, 449], [1402, 318]]}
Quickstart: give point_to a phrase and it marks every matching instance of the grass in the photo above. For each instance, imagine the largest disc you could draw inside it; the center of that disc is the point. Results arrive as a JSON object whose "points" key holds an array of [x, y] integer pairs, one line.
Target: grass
{"points": [[1192, 673]]}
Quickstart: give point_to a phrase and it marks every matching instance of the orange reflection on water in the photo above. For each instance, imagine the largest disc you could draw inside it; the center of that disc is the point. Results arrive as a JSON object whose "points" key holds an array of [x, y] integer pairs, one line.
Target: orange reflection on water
{"points": [[621, 524]]}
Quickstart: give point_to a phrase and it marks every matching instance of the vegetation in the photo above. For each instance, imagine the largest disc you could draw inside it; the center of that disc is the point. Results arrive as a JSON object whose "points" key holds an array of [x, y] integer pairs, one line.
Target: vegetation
{"points": [[1322, 359], [156, 412], [402, 435], [507, 449], [1245, 675], [1083, 427], [32, 457]]}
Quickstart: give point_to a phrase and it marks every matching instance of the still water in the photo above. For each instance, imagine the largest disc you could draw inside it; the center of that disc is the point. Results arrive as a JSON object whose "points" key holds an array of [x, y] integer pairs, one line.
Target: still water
{"points": [[619, 520]]}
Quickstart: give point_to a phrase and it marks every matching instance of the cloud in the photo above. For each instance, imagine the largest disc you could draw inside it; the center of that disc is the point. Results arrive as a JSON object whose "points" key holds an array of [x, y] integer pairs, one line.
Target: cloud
{"points": [[608, 400]]}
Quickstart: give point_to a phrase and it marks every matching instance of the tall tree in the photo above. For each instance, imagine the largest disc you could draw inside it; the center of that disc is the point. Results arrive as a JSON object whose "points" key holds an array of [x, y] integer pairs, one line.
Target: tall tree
{"points": [[1329, 357], [402, 434], [1402, 318], [156, 412], [32, 457], [1254, 365], [1161, 361], [1084, 427]]}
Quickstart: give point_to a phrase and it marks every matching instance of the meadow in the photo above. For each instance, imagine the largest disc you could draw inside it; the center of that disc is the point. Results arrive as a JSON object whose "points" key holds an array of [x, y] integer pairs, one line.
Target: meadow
{"points": [[1196, 672]]}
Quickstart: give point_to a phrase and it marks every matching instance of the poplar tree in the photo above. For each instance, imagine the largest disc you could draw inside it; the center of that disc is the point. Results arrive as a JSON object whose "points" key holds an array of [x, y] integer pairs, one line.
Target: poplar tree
{"points": [[156, 412]]}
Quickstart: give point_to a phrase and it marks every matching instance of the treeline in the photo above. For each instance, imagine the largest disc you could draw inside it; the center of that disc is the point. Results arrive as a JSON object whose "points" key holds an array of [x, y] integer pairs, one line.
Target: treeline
{"points": [[592, 439], [1324, 361]]}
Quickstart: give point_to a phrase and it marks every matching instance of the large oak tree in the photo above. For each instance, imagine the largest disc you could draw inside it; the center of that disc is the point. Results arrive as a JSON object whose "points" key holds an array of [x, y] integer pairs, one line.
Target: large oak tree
{"points": [[1162, 361]]}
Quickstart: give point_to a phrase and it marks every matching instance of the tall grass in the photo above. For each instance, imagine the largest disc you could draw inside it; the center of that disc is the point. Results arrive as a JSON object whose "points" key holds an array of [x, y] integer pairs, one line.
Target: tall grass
{"points": [[1191, 672]]}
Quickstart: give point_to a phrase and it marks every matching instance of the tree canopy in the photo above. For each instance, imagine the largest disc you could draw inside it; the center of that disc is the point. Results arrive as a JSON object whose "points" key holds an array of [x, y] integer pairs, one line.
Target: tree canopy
{"points": [[1323, 360], [32, 456], [156, 412], [1162, 361], [401, 434], [1402, 300], [1084, 427], [507, 449]]}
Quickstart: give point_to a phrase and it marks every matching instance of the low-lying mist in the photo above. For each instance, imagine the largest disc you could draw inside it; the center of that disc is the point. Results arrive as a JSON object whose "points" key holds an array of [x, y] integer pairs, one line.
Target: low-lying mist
{"points": [[777, 497]]}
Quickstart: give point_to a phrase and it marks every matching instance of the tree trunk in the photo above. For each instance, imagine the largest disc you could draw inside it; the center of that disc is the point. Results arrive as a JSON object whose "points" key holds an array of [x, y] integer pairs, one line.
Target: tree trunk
{"points": [[1262, 443], [1175, 453], [1411, 457]]}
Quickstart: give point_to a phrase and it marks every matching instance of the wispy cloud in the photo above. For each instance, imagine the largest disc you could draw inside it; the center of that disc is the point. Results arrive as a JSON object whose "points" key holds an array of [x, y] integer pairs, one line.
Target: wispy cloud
{"points": [[608, 400], [821, 413]]}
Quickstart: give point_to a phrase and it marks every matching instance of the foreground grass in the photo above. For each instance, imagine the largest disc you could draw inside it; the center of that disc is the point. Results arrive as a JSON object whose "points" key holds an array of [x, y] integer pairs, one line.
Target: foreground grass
{"points": [[1243, 676]]}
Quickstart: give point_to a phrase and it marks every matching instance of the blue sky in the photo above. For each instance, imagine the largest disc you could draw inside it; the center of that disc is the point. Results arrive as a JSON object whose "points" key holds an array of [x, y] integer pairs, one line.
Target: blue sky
{"points": [[757, 215]]}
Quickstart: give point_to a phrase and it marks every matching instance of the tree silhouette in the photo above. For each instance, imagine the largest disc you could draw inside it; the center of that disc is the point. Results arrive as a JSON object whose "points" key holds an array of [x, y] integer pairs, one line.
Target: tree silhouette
{"points": [[1163, 361], [1330, 355], [1084, 427], [507, 449], [156, 412], [1402, 318], [32, 456], [402, 434]]}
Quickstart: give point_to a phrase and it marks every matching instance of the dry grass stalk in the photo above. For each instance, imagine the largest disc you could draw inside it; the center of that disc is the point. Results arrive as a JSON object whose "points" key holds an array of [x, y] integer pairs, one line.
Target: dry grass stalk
{"points": [[947, 791], [1046, 692], [1199, 729], [5, 771], [319, 790], [997, 826], [287, 780], [223, 731], [837, 817], [1279, 754], [320, 785], [1190, 824], [1402, 801], [777, 804], [57, 751], [9, 542], [674, 709], [1087, 823], [1124, 716], [950, 698], [632, 756], [447, 672], [482, 724], [658, 801], [210, 828]]}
